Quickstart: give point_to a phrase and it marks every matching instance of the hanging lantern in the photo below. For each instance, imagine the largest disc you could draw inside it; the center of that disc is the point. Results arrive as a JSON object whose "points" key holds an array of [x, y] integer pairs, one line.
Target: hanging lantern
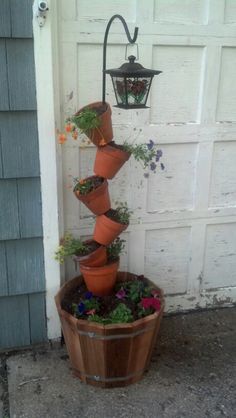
{"points": [[132, 84]]}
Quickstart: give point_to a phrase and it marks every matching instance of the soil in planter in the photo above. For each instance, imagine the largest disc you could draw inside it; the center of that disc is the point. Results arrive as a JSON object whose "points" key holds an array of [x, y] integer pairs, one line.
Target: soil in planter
{"points": [[107, 304], [95, 182], [117, 146], [90, 248], [99, 109], [112, 214]]}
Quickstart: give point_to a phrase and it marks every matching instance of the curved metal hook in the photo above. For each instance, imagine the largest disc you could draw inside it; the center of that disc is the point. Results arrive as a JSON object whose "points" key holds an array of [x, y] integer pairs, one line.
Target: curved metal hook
{"points": [[131, 41]]}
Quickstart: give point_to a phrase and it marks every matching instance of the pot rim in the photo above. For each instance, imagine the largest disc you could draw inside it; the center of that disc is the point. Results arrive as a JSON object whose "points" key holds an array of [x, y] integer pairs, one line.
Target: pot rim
{"points": [[100, 327], [108, 146], [95, 104], [97, 188], [87, 268], [114, 222], [80, 257]]}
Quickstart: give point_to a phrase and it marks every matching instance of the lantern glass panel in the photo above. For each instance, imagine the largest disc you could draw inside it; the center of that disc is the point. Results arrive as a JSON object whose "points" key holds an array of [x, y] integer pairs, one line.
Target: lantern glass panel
{"points": [[120, 90], [132, 91]]}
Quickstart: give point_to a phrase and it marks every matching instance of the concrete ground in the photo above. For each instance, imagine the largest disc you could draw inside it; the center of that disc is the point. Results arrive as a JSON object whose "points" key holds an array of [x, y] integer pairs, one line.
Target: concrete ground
{"points": [[192, 375]]}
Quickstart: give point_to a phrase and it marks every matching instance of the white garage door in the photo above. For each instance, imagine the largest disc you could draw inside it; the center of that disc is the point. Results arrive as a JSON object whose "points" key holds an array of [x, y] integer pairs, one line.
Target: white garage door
{"points": [[183, 231]]}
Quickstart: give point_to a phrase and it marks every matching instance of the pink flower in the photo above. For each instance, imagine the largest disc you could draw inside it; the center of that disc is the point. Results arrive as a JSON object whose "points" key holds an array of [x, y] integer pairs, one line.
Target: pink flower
{"points": [[151, 303], [121, 294], [91, 312], [156, 304]]}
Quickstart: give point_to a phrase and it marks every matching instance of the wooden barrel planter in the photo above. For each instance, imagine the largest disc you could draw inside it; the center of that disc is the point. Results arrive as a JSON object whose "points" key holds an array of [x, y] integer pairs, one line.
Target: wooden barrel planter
{"points": [[108, 355]]}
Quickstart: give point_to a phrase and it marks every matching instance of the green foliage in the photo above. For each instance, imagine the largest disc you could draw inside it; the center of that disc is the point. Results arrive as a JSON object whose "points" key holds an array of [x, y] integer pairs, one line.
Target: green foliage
{"points": [[83, 186], [120, 315], [140, 152], [70, 246], [86, 120], [115, 249], [122, 213], [87, 305], [144, 312], [99, 319], [136, 290]]}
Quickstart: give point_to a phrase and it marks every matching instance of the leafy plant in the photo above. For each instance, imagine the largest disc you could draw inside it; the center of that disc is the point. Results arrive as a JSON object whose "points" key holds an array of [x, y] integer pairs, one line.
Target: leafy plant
{"points": [[85, 120], [145, 153], [87, 185], [83, 186], [70, 246], [121, 314], [115, 249], [122, 213], [137, 289], [88, 306]]}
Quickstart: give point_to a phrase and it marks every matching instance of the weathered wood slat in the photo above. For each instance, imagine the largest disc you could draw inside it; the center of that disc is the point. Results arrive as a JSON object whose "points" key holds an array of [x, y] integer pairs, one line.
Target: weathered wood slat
{"points": [[4, 99], [14, 314], [9, 220], [21, 18], [19, 139], [21, 76], [25, 266], [3, 271], [5, 19], [30, 213], [38, 328], [1, 167]]}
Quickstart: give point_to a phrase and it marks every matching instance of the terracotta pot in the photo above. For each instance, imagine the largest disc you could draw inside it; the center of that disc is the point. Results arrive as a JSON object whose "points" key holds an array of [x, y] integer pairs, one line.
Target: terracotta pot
{"points": [[106, 230], [98, 201], [100, 280], [96, 258], [109, 160], [124, 350], [104, 131]]}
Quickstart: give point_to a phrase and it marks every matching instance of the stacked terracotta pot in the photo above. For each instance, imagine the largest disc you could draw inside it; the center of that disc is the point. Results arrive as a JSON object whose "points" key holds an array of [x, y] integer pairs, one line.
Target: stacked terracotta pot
{"points": [[99, 275]]}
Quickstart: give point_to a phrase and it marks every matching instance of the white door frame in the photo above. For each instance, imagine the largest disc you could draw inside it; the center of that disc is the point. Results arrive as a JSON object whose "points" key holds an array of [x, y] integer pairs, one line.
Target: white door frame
{"points": [[47, 113]]}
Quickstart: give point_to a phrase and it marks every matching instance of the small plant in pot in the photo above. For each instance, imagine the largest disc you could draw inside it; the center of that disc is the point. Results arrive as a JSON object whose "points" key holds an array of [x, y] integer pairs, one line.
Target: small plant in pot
{"points": [[87, 253], [110, 158], [93, 192], [93, 120], [101, 280], [109, 225]]}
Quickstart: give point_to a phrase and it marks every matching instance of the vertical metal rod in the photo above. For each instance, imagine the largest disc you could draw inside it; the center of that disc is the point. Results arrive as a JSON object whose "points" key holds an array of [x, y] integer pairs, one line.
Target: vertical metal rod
{"points": [[131, 41]]}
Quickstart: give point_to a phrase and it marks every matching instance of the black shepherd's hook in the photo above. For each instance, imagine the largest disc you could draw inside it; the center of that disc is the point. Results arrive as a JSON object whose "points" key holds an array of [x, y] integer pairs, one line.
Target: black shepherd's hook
{"points": [[131, 41]]}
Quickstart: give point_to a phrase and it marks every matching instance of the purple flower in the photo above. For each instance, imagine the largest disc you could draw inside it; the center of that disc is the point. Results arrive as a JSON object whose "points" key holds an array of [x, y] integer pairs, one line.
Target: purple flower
{"points": [[162, 166], [150, 145], [153, 166], [121, 294], [81, 307], [158, 155], [88, 295]]}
